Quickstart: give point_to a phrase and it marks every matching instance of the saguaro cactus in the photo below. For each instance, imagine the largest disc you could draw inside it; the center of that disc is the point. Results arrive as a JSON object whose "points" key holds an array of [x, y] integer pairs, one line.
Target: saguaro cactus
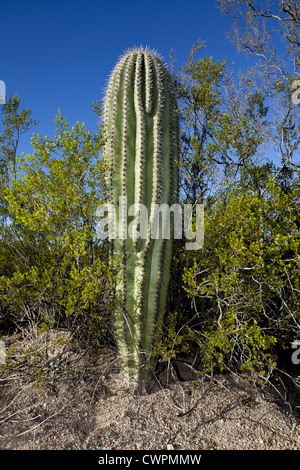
{"points": [[141, 151]]}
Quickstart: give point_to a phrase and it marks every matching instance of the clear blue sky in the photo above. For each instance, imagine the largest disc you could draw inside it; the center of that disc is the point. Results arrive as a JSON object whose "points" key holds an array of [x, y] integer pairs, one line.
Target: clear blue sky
{"points": [[59, 53]]}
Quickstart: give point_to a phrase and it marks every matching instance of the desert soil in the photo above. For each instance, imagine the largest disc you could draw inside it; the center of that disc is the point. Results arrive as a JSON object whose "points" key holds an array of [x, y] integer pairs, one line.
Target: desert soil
{"points": [[54, 395]]}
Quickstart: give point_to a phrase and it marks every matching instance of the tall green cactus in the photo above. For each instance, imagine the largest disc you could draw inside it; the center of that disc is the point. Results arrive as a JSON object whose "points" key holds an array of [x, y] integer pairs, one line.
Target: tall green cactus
{"points": [[141, 152]]}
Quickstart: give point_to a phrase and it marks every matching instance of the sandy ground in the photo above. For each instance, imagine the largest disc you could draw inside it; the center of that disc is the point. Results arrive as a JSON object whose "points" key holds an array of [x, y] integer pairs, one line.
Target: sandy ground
{"points": [[57, 396]]}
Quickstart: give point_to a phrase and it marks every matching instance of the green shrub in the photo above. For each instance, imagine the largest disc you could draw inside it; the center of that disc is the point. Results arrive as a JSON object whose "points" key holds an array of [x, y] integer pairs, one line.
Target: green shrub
{"points": [[245, 282], [54, 271]]}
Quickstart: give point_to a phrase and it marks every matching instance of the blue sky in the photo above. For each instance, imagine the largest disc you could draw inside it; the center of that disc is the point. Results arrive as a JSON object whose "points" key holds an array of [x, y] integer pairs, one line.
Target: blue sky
{"points": [[59, 54]]}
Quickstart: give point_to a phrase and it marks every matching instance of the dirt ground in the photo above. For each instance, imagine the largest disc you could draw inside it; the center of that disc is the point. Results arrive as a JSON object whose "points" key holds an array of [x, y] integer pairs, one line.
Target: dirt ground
{"points": [[54, 395]]}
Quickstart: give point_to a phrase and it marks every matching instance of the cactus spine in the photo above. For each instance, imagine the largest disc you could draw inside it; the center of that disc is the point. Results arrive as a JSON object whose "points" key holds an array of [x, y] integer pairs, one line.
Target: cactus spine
{"points": [[141, 153]]}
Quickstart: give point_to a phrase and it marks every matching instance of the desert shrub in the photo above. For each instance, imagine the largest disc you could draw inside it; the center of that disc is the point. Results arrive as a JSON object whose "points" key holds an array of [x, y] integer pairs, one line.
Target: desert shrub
{"points": [[54, 269], [237, 299], [243, 286]]}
